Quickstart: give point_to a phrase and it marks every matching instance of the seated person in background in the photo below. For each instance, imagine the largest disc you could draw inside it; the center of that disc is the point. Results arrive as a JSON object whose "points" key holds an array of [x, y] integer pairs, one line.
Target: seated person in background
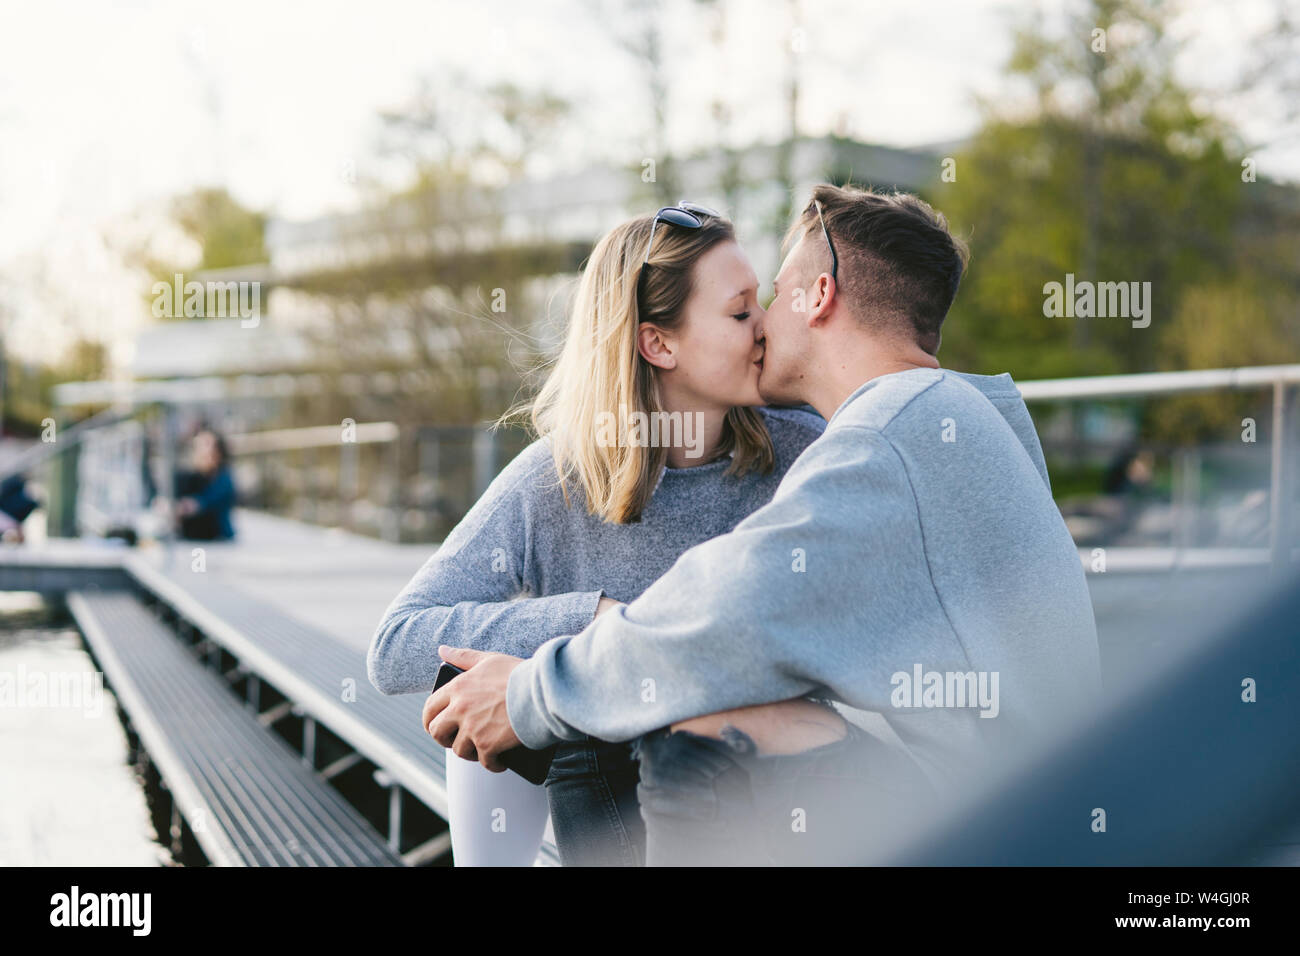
{"points": [[15, 506], [207, 493]]}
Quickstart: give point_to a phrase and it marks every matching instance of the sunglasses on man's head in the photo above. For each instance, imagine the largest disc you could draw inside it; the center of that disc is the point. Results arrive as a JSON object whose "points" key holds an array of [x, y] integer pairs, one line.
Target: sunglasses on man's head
{"points": [[684, 214], [835, 260]]}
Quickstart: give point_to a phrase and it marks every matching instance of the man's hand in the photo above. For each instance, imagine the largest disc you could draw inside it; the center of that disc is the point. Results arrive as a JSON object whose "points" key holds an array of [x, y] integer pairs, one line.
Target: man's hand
{"points": [[468, 714]]}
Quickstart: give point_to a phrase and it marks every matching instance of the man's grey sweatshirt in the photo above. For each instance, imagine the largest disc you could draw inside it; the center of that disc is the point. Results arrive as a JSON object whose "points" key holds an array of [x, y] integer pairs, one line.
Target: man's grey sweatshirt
{"points": [[522, 567], [913, 551]]}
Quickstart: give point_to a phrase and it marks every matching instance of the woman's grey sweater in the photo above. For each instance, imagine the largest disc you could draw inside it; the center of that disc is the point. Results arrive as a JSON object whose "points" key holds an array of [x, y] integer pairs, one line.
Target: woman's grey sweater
{"points": [[522, 567]]}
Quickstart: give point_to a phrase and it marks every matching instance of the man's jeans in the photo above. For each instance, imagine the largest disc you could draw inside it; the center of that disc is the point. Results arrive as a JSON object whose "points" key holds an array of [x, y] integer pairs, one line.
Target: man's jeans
{"points": [[710, 802], [591, 789]]}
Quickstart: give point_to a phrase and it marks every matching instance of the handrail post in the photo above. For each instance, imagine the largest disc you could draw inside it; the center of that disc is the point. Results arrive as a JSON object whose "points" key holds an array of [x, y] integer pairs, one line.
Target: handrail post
{"points": [[309, 741], [393, 515], [1186, 499], [349, 469], [1280, 480], [170, 428], [484, 451], [385, 779]]}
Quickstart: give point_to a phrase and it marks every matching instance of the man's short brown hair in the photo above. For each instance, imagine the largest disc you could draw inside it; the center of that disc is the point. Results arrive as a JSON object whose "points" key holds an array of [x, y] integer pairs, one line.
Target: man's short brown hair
{"points": [[898, 263]]}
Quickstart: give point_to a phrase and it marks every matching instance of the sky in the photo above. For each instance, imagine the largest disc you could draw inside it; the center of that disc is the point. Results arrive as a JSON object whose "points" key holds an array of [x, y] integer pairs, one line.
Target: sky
{"points": [[109, 109]]}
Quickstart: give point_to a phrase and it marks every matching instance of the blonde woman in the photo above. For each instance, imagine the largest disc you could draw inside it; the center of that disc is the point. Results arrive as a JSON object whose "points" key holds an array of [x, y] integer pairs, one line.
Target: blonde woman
{"points": [[650, 442]]}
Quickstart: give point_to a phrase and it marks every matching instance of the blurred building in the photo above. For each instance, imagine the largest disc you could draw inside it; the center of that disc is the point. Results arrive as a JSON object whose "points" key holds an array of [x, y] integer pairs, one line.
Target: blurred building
{"points": [[555, 222]]}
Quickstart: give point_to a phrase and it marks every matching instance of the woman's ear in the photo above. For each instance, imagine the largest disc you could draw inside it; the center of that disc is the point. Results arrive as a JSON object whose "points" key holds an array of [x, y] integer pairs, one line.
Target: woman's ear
{"points": [[655, 346]]}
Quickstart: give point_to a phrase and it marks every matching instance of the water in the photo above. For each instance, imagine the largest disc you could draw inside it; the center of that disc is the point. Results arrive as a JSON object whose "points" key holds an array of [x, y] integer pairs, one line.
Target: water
{"points": [[68, 794]]}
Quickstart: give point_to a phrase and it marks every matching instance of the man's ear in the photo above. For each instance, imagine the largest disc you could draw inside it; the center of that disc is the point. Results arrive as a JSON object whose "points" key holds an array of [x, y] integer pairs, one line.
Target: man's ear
{"points": [[655, 346], [821, 297]]}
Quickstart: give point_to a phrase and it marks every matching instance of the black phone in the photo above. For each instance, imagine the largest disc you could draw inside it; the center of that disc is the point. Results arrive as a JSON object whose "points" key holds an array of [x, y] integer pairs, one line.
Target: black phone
{"points": [[532, 765]]}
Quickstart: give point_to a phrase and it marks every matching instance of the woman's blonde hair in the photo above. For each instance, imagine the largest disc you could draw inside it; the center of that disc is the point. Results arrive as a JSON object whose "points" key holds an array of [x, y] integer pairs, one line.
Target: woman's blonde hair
{"points": [[600, 369]]}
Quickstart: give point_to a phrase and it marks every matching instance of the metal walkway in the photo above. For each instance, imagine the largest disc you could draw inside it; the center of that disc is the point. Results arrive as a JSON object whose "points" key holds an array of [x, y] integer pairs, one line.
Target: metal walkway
{"points": [[282, 620], [249, 799]]}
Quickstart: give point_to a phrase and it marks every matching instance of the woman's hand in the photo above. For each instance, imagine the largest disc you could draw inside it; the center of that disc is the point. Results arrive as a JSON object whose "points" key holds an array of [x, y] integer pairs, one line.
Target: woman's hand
{"points": [[605, 604]]}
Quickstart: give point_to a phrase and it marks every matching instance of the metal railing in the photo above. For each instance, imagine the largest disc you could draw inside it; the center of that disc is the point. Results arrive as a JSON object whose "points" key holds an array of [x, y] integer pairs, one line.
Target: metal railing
{"points": [[64, 438], [419, 470], [1282, 379], [425, 478]]}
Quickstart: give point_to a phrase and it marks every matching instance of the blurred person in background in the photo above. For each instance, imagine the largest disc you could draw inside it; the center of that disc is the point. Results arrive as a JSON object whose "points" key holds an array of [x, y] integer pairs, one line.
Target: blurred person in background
{"points": [[206, 493], [15, 506], [1126, 490]]}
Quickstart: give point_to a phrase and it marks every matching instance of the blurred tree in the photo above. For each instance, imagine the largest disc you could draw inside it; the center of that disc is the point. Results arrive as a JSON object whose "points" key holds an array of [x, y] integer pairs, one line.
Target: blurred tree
{"points": [[85, 361], [794, 46], [1273, 70], [1113, 170], [452, 132], [443, 300], [228, 233], [730, 181], [1237, 322], [637, 27], [1109, 171], [28, 385]]}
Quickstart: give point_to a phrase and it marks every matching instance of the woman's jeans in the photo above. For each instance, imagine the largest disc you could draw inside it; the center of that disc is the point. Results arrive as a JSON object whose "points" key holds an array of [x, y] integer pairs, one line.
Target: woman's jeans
{"points": [[591, 788], [710, 802]]}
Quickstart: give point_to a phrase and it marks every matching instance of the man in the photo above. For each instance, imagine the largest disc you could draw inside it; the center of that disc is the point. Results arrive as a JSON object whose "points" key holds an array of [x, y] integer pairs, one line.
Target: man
{"points": [[911, 565]]}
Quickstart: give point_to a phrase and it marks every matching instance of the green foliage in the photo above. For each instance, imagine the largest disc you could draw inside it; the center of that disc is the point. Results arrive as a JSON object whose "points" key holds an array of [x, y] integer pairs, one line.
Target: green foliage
{"points": [[229, 233], [1236, 322], [1108, 172], [27, 387], [452, 302], [1100, 163], [453, 135]]}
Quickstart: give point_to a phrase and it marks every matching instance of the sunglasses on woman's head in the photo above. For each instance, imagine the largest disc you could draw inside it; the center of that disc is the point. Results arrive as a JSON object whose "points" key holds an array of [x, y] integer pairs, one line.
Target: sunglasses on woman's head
{"points": [[684, 214]]}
